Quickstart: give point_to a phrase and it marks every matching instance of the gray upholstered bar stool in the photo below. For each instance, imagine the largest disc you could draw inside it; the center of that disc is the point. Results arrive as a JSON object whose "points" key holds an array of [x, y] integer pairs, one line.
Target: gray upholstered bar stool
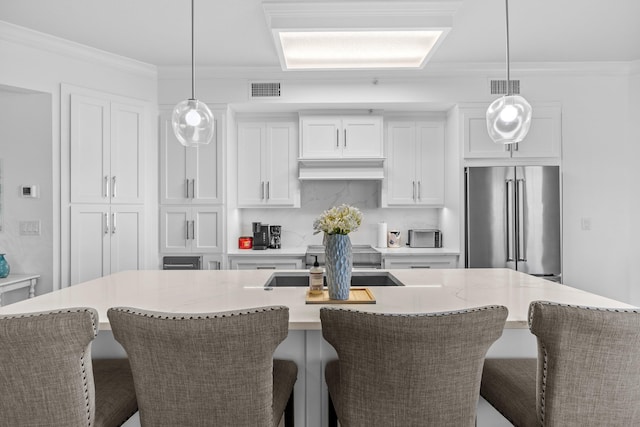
{"points": [[408, 370], [587, 372], [213, 369], [47, 376]]}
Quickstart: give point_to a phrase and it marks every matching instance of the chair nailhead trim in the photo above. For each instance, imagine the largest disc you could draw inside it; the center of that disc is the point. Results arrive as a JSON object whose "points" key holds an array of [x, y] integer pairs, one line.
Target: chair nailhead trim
{"points": [[198, 316], [438, 314], [582, 307]]}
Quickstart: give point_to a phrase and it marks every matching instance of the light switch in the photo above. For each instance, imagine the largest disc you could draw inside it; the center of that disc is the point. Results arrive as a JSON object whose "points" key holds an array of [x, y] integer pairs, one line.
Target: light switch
{"points": [[30, 228]]}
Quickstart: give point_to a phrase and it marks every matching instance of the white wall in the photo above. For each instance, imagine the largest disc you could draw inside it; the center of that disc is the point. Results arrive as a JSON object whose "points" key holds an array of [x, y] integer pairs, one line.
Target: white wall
{"points": [[632, 256], [25, 153], [597, 160]]}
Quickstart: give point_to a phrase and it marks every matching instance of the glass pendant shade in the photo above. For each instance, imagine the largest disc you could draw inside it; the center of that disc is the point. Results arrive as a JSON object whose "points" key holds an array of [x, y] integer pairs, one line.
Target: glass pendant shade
{"points": [[508, 119], [192, 122]]}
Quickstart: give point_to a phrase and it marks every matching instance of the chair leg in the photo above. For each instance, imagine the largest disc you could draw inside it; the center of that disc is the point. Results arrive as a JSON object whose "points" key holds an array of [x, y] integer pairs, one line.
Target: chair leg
{"points": [[289, 419], [333, 417]]}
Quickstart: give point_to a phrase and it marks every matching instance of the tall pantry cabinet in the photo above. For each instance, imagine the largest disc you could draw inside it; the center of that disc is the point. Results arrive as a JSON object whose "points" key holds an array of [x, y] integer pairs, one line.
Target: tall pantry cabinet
{"points": [[106, 193], [191, 202]]}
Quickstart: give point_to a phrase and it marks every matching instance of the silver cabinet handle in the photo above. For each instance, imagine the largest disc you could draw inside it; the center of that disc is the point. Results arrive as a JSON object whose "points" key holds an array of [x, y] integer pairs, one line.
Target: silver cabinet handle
{"points": [[345, 138], [106, 223], [521, 255], [193, 230], [193, 188], [186, 229], [413, 184], [509, 214], [337, 138], [113, 223], [186, 188], [268, 182], [419, 192], [106, 186], [113, 187], [261, 190]]}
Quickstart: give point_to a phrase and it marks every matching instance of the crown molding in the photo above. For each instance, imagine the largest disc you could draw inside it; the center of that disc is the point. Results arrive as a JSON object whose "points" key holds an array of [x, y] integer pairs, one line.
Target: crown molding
{"points": [[432, 70], [59, 46]]}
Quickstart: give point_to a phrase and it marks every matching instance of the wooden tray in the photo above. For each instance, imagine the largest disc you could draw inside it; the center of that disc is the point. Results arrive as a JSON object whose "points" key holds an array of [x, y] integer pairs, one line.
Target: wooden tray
{"points": [[356, 296]]}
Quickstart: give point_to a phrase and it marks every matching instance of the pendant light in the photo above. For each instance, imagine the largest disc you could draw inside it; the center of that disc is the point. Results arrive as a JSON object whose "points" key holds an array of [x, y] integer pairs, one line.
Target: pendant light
{"points": [[508, 117], [192, 120]]}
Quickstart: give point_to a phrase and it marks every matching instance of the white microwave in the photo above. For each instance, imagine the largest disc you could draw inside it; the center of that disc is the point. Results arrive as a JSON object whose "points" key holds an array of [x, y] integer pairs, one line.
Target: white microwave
{"points": [[425, 238]]}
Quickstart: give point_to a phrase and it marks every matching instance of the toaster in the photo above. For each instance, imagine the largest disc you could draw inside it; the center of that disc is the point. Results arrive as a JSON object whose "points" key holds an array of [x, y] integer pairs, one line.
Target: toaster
{"points": [[425, 238]]}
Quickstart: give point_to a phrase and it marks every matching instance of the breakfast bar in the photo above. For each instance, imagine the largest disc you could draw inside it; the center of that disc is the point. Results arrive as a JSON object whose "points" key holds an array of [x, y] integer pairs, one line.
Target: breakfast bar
{"points": [[421, 291]]}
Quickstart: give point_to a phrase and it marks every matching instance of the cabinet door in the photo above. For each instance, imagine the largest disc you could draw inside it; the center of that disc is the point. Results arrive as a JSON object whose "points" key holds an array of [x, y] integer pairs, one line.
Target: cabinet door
{"points": [[189, 174], [420, 261], [174, 182], [175, 223], [320, 138], [206, 229], [544, 137], [477, 143], [126, 239], [90, 233], [205, 170], [401, 163], [362, 137], [126, 160], [281, 164], [90, 141], [430, 164], [251, 146]]}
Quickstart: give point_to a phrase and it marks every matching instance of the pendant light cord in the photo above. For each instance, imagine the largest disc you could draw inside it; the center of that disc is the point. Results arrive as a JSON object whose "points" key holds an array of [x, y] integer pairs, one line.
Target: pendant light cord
{"points": [[193, 61], [506, 7]]}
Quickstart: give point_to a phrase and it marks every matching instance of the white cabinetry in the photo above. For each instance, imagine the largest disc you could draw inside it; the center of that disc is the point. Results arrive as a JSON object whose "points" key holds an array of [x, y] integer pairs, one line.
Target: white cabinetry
{"points": [[267, 164], [415, 164], [105, 239], [341, 137], [542, 142], [106, 151], [419, 261], [189, 175], [190, 229], [265, 262]]}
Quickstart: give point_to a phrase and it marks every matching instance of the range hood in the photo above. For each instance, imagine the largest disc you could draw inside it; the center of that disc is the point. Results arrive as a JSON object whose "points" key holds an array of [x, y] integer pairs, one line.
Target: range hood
{"points": [[341, 169]]}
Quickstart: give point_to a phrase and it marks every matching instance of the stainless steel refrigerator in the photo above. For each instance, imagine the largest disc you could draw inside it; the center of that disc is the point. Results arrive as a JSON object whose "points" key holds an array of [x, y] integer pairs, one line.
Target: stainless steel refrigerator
{"points": [[512, 219]]}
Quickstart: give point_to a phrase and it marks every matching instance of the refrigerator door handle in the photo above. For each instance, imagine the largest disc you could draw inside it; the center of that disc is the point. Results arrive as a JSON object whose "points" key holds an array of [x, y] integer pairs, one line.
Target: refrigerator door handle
{"points": [[520, 220], [510, 216]]}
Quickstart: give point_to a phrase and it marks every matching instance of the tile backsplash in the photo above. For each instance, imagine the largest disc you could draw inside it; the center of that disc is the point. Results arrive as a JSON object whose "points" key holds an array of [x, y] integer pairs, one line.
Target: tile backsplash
{"points": [[317, 196]]}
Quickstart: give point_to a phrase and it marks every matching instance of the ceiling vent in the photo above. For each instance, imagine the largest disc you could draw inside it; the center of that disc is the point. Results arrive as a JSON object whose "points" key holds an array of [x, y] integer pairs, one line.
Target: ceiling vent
{"points": [[499, 87], [262, 90]]}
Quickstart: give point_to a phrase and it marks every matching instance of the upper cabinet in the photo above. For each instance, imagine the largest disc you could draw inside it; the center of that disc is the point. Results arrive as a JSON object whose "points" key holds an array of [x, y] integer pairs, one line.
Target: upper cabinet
{"points": [[106, 151], [542, 142], [340, 137], [267, 164], [189, 175], [414, 174]]}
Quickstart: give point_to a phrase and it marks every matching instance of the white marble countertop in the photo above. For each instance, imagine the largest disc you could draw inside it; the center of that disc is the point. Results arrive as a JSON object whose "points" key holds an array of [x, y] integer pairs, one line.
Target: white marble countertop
{"points": [[202, 291], [301, 251]]}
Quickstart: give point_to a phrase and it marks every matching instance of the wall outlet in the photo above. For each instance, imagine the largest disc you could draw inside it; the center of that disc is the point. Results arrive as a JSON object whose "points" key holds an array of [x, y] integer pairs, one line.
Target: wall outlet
{"points": [[585, 224]]}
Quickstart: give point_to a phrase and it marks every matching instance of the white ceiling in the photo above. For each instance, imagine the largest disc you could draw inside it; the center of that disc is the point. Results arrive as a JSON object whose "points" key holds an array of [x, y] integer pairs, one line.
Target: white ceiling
{"points": [[233, 33]]}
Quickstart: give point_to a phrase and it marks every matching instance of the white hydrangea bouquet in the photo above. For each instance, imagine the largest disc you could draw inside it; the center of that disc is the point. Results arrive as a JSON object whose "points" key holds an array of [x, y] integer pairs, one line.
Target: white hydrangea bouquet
{"points": [[341, 219]]}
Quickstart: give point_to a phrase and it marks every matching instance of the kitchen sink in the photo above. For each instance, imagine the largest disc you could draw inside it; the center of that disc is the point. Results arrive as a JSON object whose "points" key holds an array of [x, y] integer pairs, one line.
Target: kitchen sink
{"points": [[358, 278]]}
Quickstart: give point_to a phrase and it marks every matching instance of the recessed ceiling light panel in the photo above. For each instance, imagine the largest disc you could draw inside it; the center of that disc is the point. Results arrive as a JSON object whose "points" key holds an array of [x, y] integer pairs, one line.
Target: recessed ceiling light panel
{"points": [[356, 49], [358, 34]]}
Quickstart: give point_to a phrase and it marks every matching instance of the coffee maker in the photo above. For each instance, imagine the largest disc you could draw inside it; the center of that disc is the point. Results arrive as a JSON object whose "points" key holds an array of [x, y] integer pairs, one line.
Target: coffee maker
{"points": [[261, 237], [276, 233]]}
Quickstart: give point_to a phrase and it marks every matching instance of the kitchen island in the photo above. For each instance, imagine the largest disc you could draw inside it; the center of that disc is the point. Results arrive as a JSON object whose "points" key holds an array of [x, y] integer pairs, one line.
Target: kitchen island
{"points": [[221, 290]]}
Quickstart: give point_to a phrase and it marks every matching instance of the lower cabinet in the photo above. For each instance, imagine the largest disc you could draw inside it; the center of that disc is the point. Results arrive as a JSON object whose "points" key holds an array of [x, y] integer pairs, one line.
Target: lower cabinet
{"points": [[190, 229], [420, 261], [105, 239], [265, 262]]}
